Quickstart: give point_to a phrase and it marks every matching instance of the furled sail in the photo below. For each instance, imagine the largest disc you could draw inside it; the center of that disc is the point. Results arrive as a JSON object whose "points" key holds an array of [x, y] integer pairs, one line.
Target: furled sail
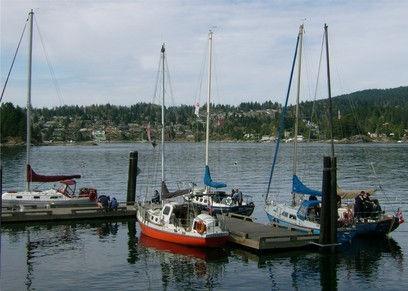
{"points": [[34, 177], [166, 194], [209, 182], [299, 188]]}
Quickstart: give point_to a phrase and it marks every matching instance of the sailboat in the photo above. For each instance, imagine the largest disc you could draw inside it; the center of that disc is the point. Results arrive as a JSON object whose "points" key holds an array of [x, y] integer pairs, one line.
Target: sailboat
{"points": [[216, 201], [62, 195], [304, 214], [172, 221]]}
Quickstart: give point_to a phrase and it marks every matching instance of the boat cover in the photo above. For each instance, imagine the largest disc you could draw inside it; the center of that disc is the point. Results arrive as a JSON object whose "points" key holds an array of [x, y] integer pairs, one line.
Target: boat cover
{"points": [[34, 177], [166, 194], [299, 188], [351, 194], [209, 182]]}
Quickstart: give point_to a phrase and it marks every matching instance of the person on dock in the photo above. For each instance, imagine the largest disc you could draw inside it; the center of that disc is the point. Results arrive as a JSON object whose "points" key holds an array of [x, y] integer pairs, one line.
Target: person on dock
{"points": [[113, 205], [103, 202]]}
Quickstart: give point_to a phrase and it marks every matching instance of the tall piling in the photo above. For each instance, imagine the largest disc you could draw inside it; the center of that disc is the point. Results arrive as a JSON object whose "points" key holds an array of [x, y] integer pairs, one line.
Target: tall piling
{"points": [[328, 216], [1, 191], [132, 174]]}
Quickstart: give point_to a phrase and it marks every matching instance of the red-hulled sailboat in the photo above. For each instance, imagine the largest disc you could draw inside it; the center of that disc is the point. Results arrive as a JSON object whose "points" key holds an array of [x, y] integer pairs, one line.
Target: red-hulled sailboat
{"points": [[178, 222]]}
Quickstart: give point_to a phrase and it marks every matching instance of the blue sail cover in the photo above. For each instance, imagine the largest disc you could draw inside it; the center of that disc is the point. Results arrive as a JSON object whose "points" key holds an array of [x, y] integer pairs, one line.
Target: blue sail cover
{"points": [[209, 182], [300, 188]]}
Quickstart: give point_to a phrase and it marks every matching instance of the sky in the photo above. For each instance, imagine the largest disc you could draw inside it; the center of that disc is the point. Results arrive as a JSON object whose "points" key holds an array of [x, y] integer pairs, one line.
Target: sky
{"points": [[108, 51]]}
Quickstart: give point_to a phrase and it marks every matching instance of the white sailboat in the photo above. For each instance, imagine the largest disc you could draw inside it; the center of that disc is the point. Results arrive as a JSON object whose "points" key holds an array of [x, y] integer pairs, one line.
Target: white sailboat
{"points": [[216, 201], [177, 222], [64, 194], [303, 214]]}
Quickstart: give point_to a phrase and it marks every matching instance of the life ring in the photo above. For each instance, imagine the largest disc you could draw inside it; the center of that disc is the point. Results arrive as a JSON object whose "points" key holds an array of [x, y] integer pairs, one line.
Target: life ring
{"points": [[200, 227]]}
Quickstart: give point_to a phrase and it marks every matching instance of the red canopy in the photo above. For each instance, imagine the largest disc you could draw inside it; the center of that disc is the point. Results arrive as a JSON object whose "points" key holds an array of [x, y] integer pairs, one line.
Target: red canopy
{"points": [[34, 177]]}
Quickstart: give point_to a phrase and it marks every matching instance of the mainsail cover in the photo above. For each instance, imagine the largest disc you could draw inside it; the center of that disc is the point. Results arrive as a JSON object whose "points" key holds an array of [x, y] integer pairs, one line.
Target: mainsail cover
{"points": [[299, 188], [34, 177], [209, 182], [166, 194]]}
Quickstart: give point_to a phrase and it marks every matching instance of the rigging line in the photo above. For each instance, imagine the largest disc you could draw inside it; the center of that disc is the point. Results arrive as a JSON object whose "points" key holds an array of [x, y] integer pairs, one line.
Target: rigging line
{"points": [[50, 67], [12, 63], [169, 83], [157, 81], [201, 76], [353, 107], [281, 119], [317, 81]]}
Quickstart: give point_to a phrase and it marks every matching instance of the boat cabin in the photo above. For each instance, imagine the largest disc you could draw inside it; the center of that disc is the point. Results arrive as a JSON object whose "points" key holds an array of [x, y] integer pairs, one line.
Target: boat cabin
{"points": [[178, 214], [309, 210]]}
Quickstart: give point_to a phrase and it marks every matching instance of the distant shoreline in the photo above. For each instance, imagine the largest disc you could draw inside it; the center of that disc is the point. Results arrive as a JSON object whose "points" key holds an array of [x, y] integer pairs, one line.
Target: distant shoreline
{"points": [[94, 143]]}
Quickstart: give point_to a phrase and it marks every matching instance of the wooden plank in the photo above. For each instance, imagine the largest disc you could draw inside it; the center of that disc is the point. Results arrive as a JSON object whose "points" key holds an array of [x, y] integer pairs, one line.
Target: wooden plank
{"points": [[257, 236], [67, 213]]}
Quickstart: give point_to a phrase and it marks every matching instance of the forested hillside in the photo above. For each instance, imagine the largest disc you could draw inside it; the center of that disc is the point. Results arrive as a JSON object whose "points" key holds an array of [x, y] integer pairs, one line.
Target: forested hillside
{"points": [[380, 114]]}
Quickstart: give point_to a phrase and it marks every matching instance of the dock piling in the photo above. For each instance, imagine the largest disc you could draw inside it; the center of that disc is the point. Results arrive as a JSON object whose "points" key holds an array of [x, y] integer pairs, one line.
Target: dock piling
{"points": [[328, 217], [1, 191], [131, 189]]}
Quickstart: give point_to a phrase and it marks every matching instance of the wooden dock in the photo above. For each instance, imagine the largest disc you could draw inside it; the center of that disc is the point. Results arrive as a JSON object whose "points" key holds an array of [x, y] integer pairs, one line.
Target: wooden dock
{"points": [[262, 237], [67, 213]]}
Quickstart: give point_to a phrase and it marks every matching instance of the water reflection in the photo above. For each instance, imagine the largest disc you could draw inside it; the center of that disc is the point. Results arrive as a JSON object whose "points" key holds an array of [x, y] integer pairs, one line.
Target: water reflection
{"points": [[186, 265], [362, 258], [115, 249]]}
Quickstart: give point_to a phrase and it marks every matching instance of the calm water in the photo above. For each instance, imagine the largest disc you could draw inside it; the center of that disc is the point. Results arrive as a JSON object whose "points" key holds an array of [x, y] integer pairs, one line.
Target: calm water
{"points": [[100, 255]]}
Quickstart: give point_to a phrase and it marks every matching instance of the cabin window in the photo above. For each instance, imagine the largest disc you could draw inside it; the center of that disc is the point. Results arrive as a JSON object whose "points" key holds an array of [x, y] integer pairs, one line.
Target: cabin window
{"points": [[205, 200], [291, 216], [36, 197], [166, 210], [19, 196], [54, 197], [284, 213], [201, 199]]}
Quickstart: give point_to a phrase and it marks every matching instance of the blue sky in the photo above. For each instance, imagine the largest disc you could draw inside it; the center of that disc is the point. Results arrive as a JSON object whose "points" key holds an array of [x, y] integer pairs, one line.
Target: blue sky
{"points": [[108, 51]]}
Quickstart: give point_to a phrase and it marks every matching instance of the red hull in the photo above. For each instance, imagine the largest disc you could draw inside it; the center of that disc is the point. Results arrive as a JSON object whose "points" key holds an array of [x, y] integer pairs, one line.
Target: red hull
{"points": [[184, 239]]}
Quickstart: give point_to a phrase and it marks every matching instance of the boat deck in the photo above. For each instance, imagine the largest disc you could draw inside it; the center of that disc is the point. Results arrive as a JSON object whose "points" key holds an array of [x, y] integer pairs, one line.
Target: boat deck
{"points": [[262, 237], [66, 213]]}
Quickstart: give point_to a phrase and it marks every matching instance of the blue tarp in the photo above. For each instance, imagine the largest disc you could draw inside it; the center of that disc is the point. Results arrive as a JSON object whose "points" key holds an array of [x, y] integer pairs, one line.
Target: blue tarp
{"points": [[299, 188], [209, 182]]}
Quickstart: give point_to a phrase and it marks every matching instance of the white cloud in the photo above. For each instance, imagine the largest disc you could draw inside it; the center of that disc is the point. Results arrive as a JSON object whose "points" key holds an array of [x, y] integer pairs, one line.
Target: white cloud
{"points": [[107, 51]]}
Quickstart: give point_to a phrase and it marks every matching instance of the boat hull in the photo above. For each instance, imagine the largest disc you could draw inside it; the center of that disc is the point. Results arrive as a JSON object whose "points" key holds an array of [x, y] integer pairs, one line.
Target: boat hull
{"points": [[43, 199], [370, 228], [184, 239]]}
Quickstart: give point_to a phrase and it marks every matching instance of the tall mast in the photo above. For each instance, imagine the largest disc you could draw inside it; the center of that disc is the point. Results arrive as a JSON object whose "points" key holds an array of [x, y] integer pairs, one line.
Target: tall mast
{"points": [[295, 142], [329, 90], [30, 54], [207, 132], [163, 50]]}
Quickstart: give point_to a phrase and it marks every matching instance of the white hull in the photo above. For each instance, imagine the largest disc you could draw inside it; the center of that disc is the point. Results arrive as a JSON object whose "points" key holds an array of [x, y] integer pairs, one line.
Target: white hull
{"points": [[286, 216], [42, 199]]}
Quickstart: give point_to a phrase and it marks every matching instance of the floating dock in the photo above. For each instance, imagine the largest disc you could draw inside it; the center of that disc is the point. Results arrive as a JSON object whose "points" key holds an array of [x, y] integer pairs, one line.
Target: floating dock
{"points": [[261, 237], [67, 213]]}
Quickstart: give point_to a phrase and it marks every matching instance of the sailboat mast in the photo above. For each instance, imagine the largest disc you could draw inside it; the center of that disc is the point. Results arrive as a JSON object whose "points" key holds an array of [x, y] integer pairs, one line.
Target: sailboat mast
{"points": [[295, 141], [326, 35], [163, 50], [30, 54], [207, 131]]}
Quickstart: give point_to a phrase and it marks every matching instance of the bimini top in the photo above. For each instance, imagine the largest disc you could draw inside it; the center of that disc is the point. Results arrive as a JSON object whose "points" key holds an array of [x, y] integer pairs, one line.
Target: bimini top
{"points": [[209, 182], [299, 188]]}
